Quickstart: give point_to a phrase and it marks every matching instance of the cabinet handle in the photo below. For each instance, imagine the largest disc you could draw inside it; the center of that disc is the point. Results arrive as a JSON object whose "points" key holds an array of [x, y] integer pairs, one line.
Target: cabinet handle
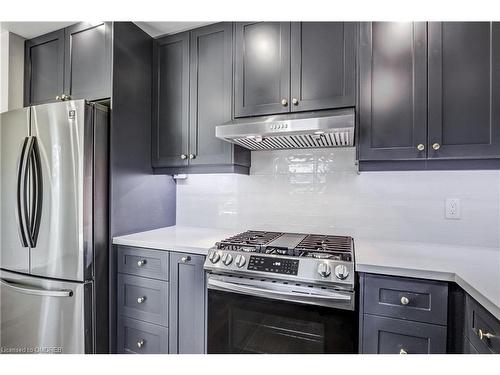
{"points": [[141, 262], [192, 156], [404, 300], [482, 335], [141, 299], [420, 147], [436, 146], [284, 102], [183, 156], [58, 97], [295, 101], [402, 351], [185, 259], [141, 343]]}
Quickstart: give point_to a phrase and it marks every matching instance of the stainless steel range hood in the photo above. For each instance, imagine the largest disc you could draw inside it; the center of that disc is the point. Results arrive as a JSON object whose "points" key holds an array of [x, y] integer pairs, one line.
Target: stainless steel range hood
{"points": [[332, 128]]}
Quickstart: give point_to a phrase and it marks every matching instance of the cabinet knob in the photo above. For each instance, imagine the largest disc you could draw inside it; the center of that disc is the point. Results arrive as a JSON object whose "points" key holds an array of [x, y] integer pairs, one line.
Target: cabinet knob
{"points": [[420, 147], [185, 259], [192, 156], [141, 343], [484, 335], [436, 146], [295, 101], [402, 351], [183, 156], [141, 262], [141, 299], [58, 97], [405, 300], [284, 102]]}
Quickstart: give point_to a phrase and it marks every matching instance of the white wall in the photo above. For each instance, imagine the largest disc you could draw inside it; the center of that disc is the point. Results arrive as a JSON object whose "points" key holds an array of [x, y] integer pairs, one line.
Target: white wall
{"points": [[320, 191]]}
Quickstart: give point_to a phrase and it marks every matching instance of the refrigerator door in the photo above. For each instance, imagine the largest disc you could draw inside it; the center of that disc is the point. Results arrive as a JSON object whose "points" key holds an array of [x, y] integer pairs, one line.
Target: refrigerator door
{"points": [[64, 140], [14, 133], [43, 316]]}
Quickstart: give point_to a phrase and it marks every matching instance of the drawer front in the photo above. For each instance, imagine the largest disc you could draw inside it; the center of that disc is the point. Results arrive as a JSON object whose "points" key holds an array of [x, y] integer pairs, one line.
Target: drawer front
{"points": [[409, 299], [382, 335], [136, 337], [143, 299], [143, 262], [469, 348], [481, 322]]}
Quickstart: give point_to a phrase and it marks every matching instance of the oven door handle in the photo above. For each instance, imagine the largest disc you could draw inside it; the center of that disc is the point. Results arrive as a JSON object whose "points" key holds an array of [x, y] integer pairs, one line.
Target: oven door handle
{"points": [[296, 296]]}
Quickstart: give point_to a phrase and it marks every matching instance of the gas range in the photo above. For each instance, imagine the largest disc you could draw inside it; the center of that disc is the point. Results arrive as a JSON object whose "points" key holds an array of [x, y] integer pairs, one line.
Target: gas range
{"points": [[308, 259]]}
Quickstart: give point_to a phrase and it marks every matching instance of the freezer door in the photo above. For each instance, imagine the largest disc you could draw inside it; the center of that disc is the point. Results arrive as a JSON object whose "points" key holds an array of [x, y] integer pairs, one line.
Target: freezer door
{"points": [[14, 132], [64, 243], [43, 316]]}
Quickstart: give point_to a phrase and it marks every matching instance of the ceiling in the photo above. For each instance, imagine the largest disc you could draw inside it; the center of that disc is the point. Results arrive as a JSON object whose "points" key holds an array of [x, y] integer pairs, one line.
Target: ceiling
{"points": [[30, 30]]}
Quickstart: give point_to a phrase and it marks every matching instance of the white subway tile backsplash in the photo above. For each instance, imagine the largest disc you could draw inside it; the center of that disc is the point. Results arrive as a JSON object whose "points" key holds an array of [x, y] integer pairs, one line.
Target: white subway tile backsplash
{"points": [[321, 191]]}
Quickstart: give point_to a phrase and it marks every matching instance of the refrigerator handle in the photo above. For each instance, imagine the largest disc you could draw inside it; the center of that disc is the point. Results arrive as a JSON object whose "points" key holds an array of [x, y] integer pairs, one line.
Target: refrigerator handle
{"points": [[21, 197], [36, 291], [37, 195]]}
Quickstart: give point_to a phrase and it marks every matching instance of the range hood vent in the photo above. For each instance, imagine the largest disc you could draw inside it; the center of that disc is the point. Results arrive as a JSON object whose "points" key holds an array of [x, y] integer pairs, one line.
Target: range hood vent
{"points": [[333, 128]]}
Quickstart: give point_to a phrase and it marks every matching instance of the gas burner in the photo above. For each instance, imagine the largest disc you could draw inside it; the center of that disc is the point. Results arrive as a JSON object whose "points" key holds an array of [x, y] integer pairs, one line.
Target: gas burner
{"points": [[321, 255], [278, 251]]}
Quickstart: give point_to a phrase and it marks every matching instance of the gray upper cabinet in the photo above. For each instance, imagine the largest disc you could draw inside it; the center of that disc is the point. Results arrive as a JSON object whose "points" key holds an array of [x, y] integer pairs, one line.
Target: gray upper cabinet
{"points": [[88, 61], [171, 101], [75, 62], [262, 68], [44, 68], [464, 90], [193, 83], [187, 304], [392, 96], [210, 93], [323, 65]]}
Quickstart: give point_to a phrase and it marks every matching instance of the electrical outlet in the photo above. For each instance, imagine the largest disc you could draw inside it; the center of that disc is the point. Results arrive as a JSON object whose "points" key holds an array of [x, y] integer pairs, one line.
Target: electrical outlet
{"points": [[452, 208]]}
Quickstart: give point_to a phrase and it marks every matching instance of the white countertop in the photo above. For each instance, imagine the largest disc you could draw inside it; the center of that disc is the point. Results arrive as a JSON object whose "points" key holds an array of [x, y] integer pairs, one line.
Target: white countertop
{"points": [[476, 270], [182, 239]]}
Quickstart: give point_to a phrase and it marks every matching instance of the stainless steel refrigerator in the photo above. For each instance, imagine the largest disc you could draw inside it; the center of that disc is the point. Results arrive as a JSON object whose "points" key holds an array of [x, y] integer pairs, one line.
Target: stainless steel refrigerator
{"points": [[54, 229]]}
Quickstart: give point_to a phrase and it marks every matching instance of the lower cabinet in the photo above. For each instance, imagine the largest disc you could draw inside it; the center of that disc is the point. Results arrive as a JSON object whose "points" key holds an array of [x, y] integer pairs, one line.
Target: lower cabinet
{"points": [[382, 335], [401, 315], [160, 302], [482, 329]]}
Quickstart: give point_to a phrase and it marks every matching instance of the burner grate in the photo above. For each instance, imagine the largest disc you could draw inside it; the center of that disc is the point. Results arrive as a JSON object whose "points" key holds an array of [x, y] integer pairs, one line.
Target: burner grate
{"points": [[325, 243], [250, 237]]}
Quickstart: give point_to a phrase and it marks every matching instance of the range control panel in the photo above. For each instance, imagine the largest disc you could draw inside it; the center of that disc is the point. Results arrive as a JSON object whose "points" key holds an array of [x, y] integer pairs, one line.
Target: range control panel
{"points": [[274, 265]]}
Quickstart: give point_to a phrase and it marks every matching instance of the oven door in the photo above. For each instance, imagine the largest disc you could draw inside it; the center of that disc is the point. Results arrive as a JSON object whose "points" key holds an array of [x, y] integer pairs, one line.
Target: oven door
{"points": [[266, 316]]}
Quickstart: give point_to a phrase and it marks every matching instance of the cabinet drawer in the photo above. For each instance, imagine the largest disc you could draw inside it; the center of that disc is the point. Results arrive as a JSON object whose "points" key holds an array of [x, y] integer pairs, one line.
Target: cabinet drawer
{"points": [[383, 335], [481, 322], [143, 262], [469, 348], [143, 299], [136, 337], [409, 299]]}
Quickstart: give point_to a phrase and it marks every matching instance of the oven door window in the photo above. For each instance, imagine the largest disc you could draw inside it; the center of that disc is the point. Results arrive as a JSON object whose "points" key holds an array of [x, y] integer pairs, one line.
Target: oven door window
{"points": [[240, 323]]}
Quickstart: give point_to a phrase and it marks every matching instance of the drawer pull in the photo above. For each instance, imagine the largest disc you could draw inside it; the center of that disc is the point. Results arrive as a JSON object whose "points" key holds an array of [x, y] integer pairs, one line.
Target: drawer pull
{"points": [[404, 300], [141, 263], [185, 259], [402, 351], [141, 343], [141, 299], [484, 335]]}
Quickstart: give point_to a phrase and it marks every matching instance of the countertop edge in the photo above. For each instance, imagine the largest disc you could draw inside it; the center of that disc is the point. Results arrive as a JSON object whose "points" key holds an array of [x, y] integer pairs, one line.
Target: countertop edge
{"points": [[163, 247]]}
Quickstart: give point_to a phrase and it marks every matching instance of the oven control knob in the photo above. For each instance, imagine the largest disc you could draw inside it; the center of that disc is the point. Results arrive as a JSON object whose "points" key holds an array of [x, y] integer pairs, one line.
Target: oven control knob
{"points": [[324, 270], [341, 272], [214, 257], [227, 259], [240, 260]]}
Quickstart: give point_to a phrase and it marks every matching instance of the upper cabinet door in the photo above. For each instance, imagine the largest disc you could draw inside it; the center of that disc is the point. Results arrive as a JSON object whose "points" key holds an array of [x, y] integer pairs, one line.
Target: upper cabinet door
{"points": [[262, 68], [44, 68], [171, 101], [464, 90], [210, 93], [393, 84], [323, 65], [88, 61]]}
